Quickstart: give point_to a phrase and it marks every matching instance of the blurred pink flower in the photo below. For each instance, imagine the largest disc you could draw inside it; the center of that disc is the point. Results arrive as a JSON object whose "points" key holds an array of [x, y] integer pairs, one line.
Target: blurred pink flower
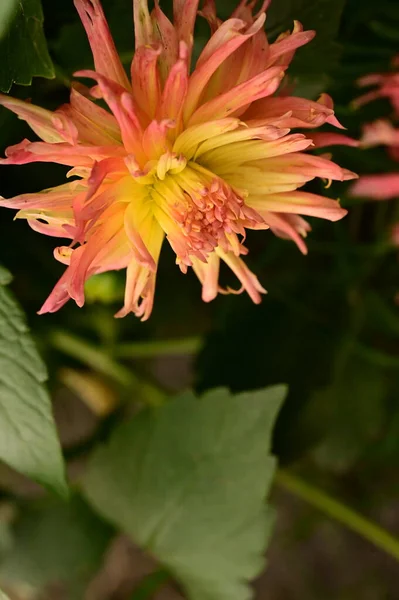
{"points": [[381, 132], [197, 157]]}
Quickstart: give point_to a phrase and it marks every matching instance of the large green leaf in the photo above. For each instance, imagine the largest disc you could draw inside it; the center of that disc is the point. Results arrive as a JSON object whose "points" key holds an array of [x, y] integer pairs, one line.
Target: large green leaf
{"points": [[23, 48], [55, 543], [28, 438], [7, 10], [188, 483]]}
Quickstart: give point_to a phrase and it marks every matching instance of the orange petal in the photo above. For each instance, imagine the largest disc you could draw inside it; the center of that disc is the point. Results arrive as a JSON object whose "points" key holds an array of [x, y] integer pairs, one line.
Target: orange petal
{"points": [[106, 58]]}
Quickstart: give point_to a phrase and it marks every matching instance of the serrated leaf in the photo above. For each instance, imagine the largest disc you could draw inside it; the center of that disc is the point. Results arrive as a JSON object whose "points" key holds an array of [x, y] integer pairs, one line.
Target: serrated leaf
{"points": [[188, 483], [56, 543], [23, 48], [28, 437]]}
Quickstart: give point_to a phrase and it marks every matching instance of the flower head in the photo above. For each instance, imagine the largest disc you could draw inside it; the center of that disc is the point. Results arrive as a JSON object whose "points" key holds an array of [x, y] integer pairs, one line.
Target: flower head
{"points": [[194, 156]]}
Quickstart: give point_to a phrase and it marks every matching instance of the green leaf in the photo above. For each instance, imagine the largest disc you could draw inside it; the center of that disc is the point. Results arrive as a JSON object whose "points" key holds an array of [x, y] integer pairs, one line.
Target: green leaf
{"points": [[23, 48], [7, 11], [188, 483], [3, 596], [28, 438], [56, 543]]}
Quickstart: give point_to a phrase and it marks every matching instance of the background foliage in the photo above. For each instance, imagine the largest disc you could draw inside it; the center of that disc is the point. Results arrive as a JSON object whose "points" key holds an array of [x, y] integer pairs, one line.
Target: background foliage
{"points": [[177, 488]]}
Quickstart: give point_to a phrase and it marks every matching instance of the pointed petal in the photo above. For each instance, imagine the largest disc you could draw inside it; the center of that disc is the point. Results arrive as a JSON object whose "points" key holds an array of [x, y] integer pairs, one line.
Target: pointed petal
{"points": [[49, 126], [283, 50], [175, 89], [143, 29], [288, 226], [140, 280], [106, 58], [56, 198], [124, 109], [301, 203], [207, 67], [227, 158], [184, 15], [248, 280], [296, 112], [166, 34], [230, 102], [264, 132], [145, 79], [187, 143], [155, 138], [94, 124], [64, 154]]}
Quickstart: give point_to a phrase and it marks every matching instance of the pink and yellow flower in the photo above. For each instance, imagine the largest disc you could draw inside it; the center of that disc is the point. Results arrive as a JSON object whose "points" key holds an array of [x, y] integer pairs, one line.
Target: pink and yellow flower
{"points": [[196, 157]]}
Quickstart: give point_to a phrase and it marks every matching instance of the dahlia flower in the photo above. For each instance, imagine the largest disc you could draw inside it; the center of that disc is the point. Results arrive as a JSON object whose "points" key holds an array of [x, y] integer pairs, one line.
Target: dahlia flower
{"points": [[381, 132], [194, 156]]}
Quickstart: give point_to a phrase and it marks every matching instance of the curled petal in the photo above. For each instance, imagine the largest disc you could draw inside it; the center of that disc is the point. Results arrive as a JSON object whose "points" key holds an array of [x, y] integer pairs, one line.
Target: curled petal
{"points": [[106, 58], [208, 274], [207, 67], [143, 29], [145, 79], [184, 13], [294, 112], [248, 280], [175, 88], [288, 226], [263, 84], [140, 279], [166, 35], [50, 127], [64, 154], [284, 48], [123, 107], [94, 124]]}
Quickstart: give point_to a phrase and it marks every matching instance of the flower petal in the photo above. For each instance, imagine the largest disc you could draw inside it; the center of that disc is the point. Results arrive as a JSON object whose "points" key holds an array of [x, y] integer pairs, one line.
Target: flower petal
{"points": [[263, 84], [94, 124], [377, 187], [301, 203], [106, 58], [208, 274], [249, 281], [50, 126], [145, 79], [206, 67]]}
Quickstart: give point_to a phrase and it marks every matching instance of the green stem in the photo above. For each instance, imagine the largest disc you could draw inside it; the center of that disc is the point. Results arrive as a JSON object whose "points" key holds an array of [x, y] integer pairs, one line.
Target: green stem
{"points": [[176, 347], [338, 511], [150, 585], [104, 364], [92, 357]]}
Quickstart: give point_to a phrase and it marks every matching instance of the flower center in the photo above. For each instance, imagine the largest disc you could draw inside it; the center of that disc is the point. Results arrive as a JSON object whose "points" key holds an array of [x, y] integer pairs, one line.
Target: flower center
{"points": [[198, 210]]}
